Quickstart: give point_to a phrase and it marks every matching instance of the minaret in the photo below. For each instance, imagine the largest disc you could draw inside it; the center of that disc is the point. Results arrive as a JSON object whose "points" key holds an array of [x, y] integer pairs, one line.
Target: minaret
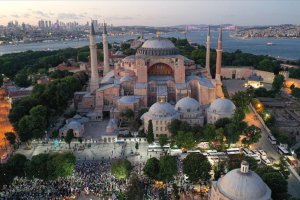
{"points": [[94, 81], [207, 64], [105, 51], [219, 50]]}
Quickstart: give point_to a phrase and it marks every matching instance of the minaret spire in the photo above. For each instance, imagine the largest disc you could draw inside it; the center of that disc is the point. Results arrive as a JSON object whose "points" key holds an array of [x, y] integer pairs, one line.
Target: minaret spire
{"points": [[207, 64], [219, 50], [105, 51], [94, 81]]}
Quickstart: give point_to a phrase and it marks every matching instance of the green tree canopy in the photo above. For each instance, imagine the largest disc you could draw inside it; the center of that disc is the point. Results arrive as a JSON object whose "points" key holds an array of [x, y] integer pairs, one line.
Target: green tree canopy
{"points": [[135, 189], [196, 167], [121, 168], [11, 137], [253, 134], [221, 123], [151, 168], [275, 180], [37, 167], [69, 137], [278, 83], [150, 134], [167, 168], [185, 140], [209, 132], [162, 140], [60, 165]]}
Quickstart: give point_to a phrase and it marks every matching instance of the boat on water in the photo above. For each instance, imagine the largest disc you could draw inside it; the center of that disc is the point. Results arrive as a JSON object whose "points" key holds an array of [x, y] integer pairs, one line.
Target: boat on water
{"points": [[270, 44]]}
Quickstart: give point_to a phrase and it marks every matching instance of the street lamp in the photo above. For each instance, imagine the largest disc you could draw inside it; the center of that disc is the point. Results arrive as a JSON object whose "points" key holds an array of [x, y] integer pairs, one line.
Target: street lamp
{"points": [[258, 105]]}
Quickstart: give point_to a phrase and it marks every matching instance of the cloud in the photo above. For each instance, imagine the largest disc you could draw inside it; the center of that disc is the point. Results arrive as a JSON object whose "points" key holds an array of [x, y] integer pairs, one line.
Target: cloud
{"points": [[70, 16], [26, 15], [120, 18], [39, 13], [15, 16]]}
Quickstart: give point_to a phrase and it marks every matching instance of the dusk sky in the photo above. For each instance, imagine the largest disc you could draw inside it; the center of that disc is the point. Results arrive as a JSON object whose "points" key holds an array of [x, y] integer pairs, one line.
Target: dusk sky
{"points": [[156, 13]]}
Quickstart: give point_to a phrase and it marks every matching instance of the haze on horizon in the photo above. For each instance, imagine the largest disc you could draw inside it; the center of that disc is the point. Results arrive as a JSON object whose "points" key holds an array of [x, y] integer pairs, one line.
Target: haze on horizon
{"points": [[154, 13]]}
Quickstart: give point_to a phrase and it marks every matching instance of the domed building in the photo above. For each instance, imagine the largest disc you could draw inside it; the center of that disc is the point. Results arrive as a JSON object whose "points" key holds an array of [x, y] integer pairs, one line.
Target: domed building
{"points": [[157, 75], [190, 111], [220, 108], [161, 114], [240, 184]]}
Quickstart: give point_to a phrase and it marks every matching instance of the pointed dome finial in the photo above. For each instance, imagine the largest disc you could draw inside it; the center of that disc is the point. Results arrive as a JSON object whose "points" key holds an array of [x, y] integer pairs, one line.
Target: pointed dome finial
{"points": [[92, 32], [104, 29]]}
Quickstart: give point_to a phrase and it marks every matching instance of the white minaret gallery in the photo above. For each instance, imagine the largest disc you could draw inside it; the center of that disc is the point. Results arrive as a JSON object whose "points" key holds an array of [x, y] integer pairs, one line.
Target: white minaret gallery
{"points": [[105, 51], [94, 81], [207, 64]]}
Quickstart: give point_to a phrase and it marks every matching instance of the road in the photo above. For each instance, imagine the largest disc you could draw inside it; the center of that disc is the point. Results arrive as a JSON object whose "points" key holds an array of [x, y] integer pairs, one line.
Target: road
{"points": [[264, 143]]}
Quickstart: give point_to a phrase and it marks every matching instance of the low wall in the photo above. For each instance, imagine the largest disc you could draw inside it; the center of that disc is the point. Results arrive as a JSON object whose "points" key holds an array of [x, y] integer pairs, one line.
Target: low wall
{"points": [[260, 119]]}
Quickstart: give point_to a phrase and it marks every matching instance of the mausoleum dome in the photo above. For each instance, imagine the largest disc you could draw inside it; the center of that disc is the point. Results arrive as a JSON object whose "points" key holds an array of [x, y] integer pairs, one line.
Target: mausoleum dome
{"points": [[243, 184], [187, 104], [162, 109], [222, 106]]}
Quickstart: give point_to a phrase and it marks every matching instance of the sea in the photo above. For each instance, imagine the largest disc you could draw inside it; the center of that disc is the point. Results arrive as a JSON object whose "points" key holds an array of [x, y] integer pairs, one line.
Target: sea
{"points": [[281, 48]]}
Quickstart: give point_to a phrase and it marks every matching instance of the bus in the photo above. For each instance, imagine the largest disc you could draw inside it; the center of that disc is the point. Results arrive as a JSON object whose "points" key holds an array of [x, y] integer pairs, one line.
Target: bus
{"points": [[232, 151], [272, 139], [282, 150]]}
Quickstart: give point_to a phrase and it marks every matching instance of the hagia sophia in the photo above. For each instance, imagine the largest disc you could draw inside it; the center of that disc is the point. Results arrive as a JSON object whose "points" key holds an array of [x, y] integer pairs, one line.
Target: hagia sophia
{"points": [[159, 78]]}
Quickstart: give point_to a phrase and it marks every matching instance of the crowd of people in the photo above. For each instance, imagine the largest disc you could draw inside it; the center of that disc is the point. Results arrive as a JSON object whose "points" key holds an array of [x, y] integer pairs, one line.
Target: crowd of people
{"points": [[90, 178]]}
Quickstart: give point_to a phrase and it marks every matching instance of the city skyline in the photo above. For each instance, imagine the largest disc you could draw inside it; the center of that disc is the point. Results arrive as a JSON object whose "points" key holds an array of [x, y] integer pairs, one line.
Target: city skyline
{"points": [[153, 13]]}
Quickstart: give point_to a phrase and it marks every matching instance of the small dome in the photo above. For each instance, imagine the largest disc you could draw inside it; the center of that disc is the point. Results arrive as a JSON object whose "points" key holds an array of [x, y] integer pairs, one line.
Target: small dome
{"points": [[187, 104], [222, 106], [162, 109], [74, 125], [243, 186], [158, 43], [128, 99]]}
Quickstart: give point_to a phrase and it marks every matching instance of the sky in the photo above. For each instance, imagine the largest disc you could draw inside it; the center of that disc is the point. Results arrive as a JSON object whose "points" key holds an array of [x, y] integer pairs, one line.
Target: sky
{"points": [[154, 13]]}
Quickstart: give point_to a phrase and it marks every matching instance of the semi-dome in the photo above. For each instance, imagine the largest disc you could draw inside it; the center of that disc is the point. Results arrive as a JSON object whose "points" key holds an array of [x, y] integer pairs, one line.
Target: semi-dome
{"points": [[128, 99], [158, 47], [162, 109], [222, 106], [187, 104], [126, 78], [243, 184]]}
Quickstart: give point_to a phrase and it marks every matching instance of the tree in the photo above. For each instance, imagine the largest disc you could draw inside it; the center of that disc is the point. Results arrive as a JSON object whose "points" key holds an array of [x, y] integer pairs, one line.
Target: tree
{"points": [[127, 114], [276, 182], [151, 168], [162, 140], [185, 140], [167, 168], [21, 79], [135, 189], [278, 83], [232, 133], [69, 137], [253, 134], [121, 168], [17, 164], [283, 167], [60, 165], [150, 135], [242, 99], [196, 167], [221, 123], [136, 146], [37, 167], [11, 137], [209, 132]]}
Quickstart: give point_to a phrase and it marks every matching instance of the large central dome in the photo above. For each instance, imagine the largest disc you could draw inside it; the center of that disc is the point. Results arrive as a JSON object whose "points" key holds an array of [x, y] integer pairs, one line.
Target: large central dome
{"points": [[158, 47]]}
